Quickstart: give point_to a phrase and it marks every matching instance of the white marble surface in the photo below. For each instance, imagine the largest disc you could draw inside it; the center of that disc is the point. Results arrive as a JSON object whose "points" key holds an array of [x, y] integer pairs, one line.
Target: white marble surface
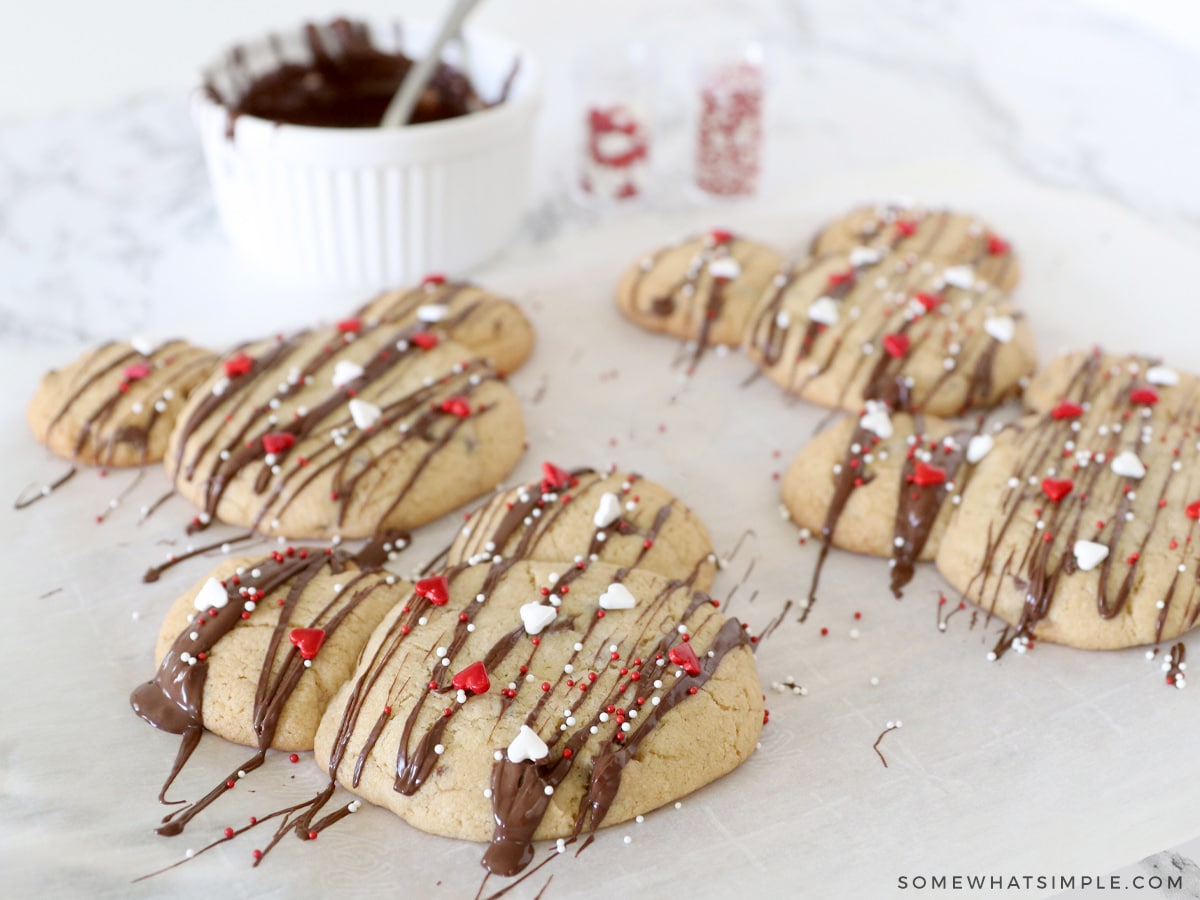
{"points": [[1074, 131]]}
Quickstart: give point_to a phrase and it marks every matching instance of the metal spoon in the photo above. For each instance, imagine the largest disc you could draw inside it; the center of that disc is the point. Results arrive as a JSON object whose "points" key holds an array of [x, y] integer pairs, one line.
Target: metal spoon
{"points": [[401, 108]]}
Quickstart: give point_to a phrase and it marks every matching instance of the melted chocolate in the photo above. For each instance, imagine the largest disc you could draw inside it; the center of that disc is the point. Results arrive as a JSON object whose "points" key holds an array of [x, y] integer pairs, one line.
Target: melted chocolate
{"points": [[346, 85]]}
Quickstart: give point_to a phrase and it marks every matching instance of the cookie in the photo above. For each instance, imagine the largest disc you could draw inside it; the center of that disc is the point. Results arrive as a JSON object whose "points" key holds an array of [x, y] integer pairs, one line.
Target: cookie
{"points": [[883, 485], [485, 711], [616, 518], [345, 430], [1077, 528], [701, 289], [938, 234], [491, 326], [255, 651], [919, 335], [116, 404]]}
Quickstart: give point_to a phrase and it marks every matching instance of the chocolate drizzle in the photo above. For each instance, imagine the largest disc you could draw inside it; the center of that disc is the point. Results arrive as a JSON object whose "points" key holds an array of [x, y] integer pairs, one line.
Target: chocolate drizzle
{"points": [[919, 506], [225, 432], [1098, 507], [173, 700], [519, 789], [876, 300]]}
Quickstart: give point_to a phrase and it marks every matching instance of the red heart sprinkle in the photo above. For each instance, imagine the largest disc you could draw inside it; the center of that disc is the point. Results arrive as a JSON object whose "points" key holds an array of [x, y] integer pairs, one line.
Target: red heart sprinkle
{"points": [[685, 657], [238, 365], [456, 406], [554, 478], [435, 589], [896, 345], [349, 325], [1066, 410], [278, 441], [473, 679], [926, 475], [307, 640], [1144, 395], [1057, 488], [434, 278], [136, 372], [720, 236], [997, 246], [1193, 510], [929, 301], [839, 278], [907, 227], [426, 340]]}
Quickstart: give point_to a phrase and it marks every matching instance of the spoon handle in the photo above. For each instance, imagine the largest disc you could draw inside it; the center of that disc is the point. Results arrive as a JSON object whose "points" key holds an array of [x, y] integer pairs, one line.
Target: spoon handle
{"points": [[405, 101]]}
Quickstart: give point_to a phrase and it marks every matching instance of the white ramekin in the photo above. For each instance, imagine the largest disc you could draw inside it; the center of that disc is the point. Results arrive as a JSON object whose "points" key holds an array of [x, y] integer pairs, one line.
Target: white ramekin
{"points": [[367, 207]]}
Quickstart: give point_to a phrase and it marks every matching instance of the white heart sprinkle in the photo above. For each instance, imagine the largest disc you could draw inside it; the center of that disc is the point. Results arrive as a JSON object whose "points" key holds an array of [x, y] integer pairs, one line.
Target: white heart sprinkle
{"points": [[979, 447], [724, 267], [1089, 554], [617, 596], [960, 276], [536, 617], [1162, 375], [142, 344], [863, 256], [527, 745], [345, 372], [1002, 328], [877, 420], [364, 414], [824, 311], [608, 511], [432, 312], [211, 596], [1128, 465]]}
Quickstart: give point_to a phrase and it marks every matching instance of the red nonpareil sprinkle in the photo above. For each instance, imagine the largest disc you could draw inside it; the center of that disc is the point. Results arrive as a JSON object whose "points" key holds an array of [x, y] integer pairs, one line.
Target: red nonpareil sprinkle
{"points": [[997, 246], [684, 656], [720, 236], [257, 854], [238, 365], [312, 835], [456, 406], [824, 632], [426, 340], [473, 679], [349, 326], [840, 278], [1057, 488], [229, 832], [545, 686], [1144, 396], [929, 301], [136, 372], [278, 441], [568, 753], [307, 640], [434, 278], [926, 475], [907, 227], [295, 757], [1067, 409], [1193, 510], [435, 589]]}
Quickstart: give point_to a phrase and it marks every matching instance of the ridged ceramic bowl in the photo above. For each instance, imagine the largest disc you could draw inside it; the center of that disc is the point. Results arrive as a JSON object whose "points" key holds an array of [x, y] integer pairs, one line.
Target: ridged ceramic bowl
{"points": [[371, 207]]}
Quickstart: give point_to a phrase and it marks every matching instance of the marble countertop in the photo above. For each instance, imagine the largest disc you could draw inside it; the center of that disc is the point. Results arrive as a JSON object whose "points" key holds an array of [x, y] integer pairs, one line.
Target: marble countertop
{"points": [[1074, 130]]}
